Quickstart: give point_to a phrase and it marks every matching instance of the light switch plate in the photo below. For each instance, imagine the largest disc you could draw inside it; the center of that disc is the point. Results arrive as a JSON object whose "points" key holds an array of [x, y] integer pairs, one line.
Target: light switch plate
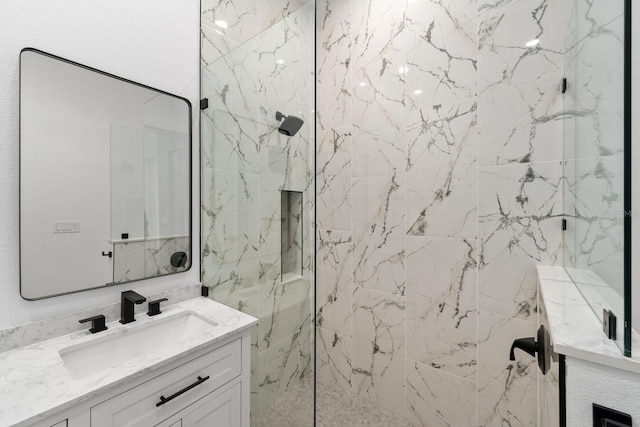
{"points": [[66, 226]]}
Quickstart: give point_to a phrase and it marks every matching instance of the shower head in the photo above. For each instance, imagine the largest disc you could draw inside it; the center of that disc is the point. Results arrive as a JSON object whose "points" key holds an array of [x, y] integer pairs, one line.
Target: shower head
{"points": [[290, 125]]}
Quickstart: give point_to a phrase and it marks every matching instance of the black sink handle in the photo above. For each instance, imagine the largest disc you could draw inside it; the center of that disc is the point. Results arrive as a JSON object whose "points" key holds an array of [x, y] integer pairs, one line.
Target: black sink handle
{"points": [[97, 323]]}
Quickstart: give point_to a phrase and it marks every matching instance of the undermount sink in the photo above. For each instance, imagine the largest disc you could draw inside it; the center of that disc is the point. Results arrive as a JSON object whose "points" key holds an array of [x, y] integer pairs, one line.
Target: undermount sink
{"points": [[137, 341]]}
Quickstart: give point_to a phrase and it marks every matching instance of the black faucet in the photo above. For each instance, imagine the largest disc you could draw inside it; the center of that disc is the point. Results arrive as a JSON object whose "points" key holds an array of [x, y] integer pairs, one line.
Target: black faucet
{"points": [[127, 300]]}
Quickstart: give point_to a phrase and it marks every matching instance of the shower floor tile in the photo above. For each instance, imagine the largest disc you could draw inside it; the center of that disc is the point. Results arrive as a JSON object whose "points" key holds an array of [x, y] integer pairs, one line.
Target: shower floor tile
{"points": [[337, 408]]}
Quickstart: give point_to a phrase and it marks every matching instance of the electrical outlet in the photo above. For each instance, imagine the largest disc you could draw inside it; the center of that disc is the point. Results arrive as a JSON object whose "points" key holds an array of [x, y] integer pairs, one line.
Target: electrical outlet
{"points": [[606, 417], [66, 226]]}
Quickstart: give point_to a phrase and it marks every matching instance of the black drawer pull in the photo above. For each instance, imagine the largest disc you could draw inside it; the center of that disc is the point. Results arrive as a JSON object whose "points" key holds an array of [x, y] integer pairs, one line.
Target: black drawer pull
{"points": [[164, 400]]}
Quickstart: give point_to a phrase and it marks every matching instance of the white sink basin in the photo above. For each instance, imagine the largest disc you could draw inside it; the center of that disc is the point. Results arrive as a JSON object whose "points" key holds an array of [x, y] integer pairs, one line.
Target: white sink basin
{"points": [[160, 336]]}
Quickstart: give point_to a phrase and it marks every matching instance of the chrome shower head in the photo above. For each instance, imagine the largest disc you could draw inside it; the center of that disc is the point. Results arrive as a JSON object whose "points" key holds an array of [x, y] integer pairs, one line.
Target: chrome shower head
{"points": [[290, 125]]}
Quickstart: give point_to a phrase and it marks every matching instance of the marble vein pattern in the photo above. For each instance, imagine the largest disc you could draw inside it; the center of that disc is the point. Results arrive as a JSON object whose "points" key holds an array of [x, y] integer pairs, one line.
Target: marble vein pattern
{"points": [[334, 275], [284, 308], [443, 270], [37, 370], [334, 358], [441, 337], [594, 60], [378, 348], [507, 390], [378, 233], [594, 211], [594, 140], [262, 62], [284, 365], [377, 152], [440, 121], [442, 170], [228, 24], [334, 179], [334, 101], [519, 101], [441, 38], [520, 213], [31, 333], [435, 398], [379, 56]]}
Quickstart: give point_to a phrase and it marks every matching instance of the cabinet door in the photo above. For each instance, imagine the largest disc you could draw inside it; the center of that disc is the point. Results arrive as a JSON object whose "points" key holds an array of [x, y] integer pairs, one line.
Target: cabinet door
{"points": [[222, 408]]}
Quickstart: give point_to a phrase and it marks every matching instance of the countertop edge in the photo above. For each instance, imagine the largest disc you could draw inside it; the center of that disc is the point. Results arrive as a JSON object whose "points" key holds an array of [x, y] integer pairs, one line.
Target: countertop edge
{"points": [[577, 332]]}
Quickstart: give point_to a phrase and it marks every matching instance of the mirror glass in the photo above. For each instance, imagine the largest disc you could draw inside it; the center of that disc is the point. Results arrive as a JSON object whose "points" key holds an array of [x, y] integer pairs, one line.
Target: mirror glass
{"points": [[105, 179], [595, 145]]}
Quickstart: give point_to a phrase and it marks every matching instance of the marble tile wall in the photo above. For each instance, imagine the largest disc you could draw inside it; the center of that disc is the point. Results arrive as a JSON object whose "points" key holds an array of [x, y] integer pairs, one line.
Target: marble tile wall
{"points": [[594, 150], [440, 174], [258, 59]]}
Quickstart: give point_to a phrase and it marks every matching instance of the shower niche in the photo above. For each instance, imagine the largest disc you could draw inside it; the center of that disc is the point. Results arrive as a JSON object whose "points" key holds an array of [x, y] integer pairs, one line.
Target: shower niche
{"points": [[291, 235]]}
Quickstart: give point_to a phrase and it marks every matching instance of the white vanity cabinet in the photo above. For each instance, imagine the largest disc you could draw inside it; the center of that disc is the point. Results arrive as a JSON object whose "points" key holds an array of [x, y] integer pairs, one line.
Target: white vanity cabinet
{"points": [[207, 388]]}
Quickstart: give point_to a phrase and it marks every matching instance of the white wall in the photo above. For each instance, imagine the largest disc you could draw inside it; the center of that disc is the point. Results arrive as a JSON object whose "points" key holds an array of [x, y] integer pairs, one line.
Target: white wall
{"points": [[589, 383], [155, 42]]}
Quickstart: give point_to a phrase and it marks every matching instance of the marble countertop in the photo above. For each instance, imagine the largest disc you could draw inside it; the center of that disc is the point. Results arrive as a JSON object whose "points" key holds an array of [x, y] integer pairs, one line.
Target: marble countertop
{"points": [[35, 384], [575, 329]]}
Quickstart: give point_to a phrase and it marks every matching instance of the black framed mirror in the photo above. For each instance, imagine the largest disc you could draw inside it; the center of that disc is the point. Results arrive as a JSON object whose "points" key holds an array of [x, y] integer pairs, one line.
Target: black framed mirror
{"points": [[105, 178]]}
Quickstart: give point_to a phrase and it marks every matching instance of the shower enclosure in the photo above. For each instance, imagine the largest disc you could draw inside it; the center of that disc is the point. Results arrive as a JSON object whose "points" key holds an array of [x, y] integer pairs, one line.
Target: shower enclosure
{"points": [[258, 191]]}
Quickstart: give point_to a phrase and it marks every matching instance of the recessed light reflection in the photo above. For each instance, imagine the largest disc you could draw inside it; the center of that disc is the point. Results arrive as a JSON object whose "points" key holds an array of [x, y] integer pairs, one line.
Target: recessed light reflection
{"points": [[363, 84], [281, 61], [417, 91], [221, 24], [533, 43], [403, 70]]}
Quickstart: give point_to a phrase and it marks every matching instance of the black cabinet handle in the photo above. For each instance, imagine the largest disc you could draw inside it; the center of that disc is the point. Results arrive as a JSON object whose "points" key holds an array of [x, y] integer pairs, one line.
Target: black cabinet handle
{"points": [[164, 400]]}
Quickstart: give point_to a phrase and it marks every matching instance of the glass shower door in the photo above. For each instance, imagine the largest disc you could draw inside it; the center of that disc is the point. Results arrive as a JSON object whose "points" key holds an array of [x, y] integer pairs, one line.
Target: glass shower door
{"points": [[258, 195]]}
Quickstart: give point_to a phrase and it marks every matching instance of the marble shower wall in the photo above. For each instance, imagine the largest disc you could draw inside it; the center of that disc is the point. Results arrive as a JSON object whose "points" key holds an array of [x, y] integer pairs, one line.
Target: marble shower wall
{"points": [[594, 140], [258, 59], [439, 168]]}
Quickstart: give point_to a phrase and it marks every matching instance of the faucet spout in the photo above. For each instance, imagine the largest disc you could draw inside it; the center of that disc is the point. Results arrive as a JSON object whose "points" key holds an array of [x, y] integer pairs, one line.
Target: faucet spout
{"points": [[527, 344], [127, 301]]}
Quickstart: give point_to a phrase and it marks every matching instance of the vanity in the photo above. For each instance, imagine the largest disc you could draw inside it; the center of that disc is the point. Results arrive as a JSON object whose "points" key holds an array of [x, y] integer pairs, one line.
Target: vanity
{"points": [[187, 366], [106, 198]]}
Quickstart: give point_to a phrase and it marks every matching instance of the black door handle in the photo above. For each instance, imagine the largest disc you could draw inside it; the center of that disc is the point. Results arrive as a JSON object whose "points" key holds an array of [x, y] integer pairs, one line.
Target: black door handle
{"points": [[542, 347], [164, 400]]}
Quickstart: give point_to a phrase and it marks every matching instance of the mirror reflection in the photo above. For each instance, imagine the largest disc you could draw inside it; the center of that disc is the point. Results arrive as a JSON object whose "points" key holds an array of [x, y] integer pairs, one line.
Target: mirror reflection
{"points": [[104, 179]]}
